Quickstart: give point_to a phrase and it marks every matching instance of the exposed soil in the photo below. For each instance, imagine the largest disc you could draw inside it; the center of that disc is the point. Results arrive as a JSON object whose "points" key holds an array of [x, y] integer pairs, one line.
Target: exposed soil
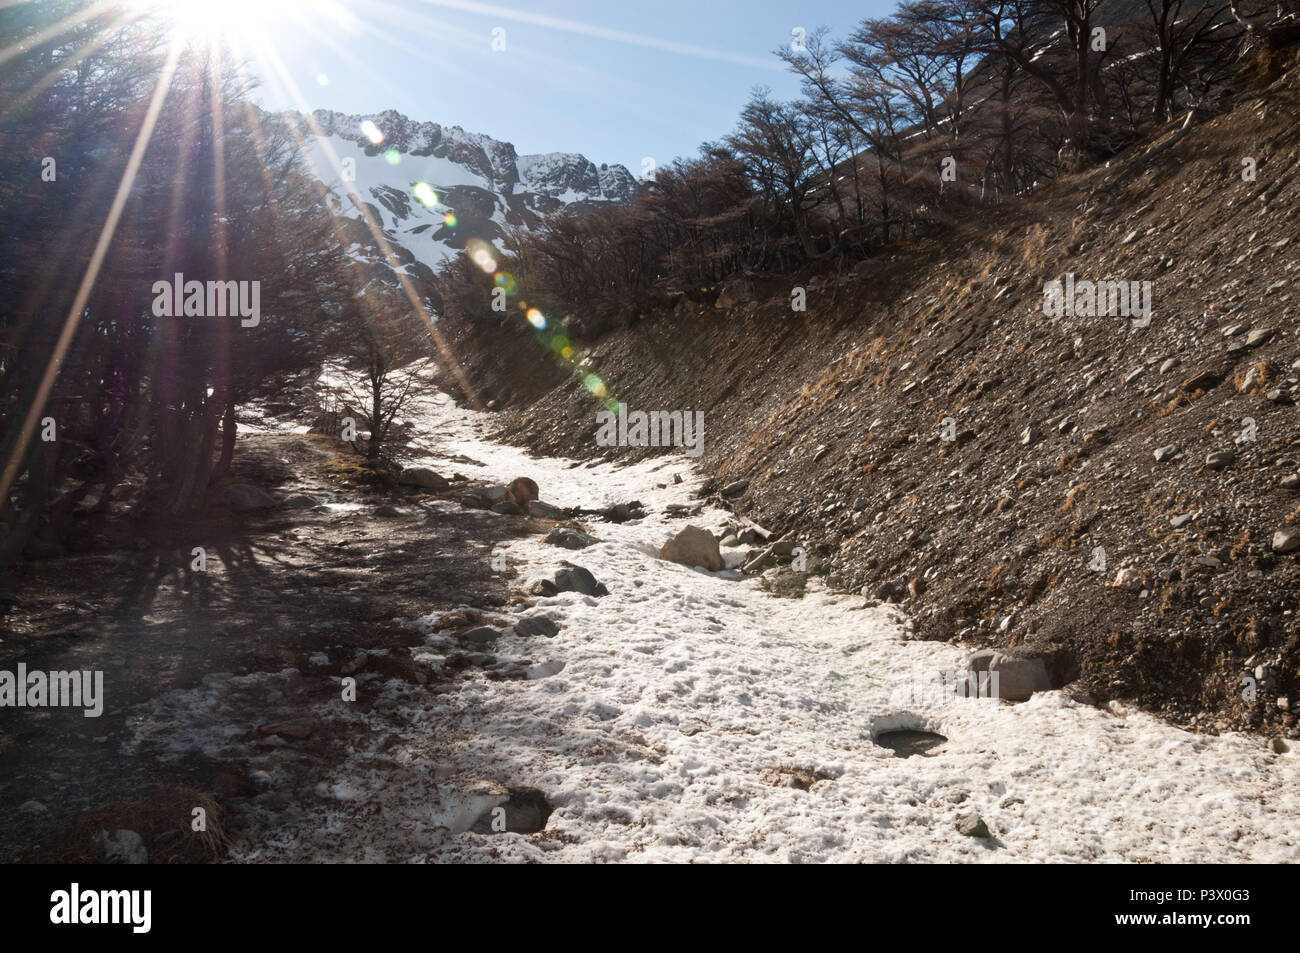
{"points": [[937, 440]]}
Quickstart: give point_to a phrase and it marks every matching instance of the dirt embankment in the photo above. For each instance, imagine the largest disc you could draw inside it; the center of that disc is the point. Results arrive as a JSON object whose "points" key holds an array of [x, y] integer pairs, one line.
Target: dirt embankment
{"points": [[1126, 497]]}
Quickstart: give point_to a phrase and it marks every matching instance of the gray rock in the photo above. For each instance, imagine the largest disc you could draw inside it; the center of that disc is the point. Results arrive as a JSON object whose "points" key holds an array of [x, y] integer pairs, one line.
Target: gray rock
{"points": [[243, 497], [578, 579], [388, 510], [32, 807], [1166, 452], [570, 579], [1220, 459], [1020, 674], [972, 825], [482, 635], [422, 477], [545, 510], [1259, 336], [732, 490], [301, 501], [537, 625], [123, 847], [1286, 540], [1290, 482], [505, 507], [1204, 380], [569, 538], [694, 546]]}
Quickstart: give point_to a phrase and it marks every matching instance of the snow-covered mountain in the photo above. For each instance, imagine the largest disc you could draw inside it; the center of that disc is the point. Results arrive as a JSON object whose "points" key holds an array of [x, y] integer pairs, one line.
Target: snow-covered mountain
{"points": [[436, 187]]}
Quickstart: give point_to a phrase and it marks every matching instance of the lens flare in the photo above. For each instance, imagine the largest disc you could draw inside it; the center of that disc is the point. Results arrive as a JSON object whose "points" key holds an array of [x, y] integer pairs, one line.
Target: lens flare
{"points": [[425, 194], [503, 279], [482, 254], [371, 132], [392, 156], [595, 385], [536, 318], [449, 220]]}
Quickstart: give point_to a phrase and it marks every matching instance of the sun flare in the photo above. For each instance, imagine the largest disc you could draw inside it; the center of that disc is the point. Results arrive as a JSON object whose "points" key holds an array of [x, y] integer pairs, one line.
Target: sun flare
{"points": [[229, 21]]}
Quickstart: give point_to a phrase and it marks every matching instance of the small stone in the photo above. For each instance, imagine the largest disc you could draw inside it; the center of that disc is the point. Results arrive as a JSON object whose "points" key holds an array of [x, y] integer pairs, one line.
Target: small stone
{"points": [[1166, 452], [569, 538], [1286, 541], [123, 847], [1128, 578], [537, 625], [972, 825], [1259, 336], [733, 490], [1220, 459], [545, 511], [422, 477], [482, 635], [694, 546]]}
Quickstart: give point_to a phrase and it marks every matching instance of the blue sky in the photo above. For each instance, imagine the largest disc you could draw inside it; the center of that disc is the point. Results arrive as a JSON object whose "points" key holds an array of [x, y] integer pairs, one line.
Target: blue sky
{"points": [[617, 81]]}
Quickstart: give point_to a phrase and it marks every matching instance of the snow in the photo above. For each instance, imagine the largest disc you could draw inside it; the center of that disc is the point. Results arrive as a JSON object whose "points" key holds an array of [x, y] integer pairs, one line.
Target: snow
{"points": [[660, 720]]}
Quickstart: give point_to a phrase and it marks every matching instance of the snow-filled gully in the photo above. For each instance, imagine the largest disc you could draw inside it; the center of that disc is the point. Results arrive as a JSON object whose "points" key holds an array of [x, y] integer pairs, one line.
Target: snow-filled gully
{"points": [[668, 721]]}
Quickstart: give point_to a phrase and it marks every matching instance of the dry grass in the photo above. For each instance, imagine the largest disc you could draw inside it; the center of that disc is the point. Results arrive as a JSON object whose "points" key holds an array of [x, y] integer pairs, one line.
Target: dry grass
{"points": [[1073, 497], [166, 808]]}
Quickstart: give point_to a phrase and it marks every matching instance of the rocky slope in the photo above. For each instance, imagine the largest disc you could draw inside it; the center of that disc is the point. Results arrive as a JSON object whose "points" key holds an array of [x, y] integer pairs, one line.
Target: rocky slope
{"points": [[1122, 499]]}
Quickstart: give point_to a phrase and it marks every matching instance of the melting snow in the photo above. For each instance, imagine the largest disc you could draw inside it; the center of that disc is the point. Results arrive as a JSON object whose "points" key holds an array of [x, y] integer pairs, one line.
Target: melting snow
{"points": [[664, 722]]}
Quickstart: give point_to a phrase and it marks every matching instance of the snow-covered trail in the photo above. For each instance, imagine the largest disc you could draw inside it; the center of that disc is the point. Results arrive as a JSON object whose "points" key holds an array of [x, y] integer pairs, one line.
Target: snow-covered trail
{"points": [[683, 695], [665, 719]]}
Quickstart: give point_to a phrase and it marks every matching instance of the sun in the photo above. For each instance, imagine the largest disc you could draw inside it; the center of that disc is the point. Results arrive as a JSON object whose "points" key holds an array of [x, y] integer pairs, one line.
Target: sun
{"points": [[228, 21]]}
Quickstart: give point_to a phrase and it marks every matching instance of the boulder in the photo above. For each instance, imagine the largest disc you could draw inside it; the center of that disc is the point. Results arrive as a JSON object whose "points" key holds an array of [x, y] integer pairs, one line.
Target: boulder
{"points": [[733, 490], [1020, 674], [570, 579], [972, 825], [482, 635], [422, 477], [545, 510], [694, 546], [537, 625], [569, 538], [243, 497]]}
